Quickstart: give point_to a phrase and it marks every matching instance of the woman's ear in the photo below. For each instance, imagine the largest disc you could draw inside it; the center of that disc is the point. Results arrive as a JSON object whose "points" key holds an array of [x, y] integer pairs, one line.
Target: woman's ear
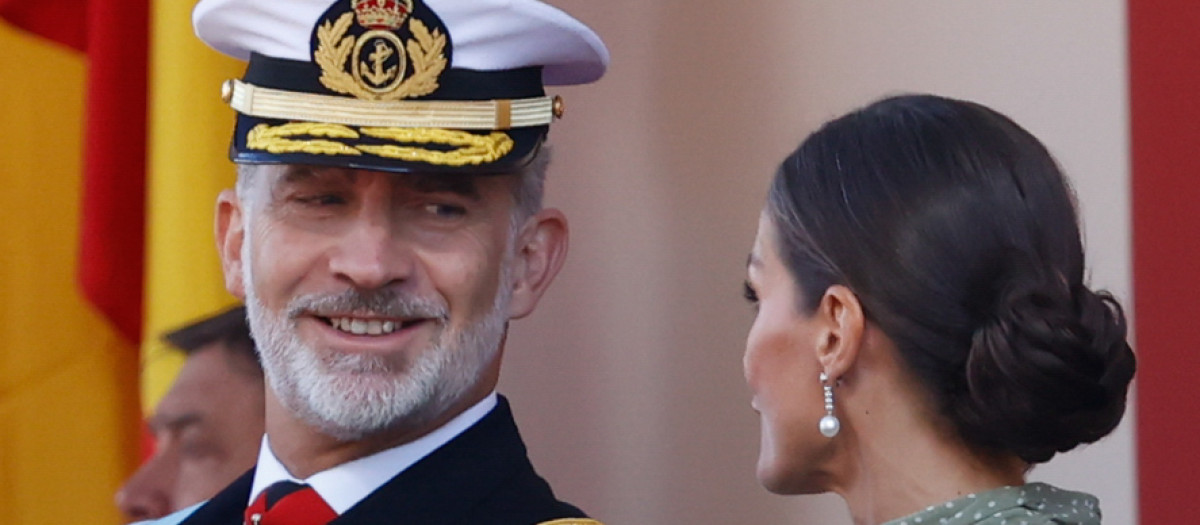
{"points": [[231, 233], [541, 249], [842, 317]]}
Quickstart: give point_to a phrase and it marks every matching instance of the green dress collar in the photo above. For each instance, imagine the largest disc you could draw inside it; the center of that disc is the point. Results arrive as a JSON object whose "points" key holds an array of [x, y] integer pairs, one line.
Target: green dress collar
{"points": [[1029, 504]]}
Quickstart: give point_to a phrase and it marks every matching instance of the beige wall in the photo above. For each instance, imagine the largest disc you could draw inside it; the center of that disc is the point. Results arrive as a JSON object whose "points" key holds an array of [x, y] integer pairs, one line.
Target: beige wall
{"points": [[627, 380]]}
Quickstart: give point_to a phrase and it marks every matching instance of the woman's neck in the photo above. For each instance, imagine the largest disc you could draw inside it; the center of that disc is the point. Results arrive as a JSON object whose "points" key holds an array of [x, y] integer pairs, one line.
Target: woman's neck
{"points": [[904, 472], [899, 455]]}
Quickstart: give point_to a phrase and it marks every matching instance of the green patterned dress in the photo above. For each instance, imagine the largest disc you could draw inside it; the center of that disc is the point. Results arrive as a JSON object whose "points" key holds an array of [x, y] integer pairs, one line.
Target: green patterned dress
{"points": [[1030, 504]]}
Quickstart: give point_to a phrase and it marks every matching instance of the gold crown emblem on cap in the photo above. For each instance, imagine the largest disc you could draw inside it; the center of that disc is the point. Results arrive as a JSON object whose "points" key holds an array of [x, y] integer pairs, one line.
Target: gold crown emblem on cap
{"points": [[374, 65], [382, 14]]}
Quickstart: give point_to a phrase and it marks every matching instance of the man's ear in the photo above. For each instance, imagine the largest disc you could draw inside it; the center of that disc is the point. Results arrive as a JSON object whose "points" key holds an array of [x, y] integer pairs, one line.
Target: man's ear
{"points": [[841, 315], [541, 249], [231, 233]]}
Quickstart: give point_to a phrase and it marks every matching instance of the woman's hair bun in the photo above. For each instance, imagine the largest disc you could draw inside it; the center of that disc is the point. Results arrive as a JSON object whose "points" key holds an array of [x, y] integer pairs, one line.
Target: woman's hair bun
{"points": [[1048, 371], [959, 234]]}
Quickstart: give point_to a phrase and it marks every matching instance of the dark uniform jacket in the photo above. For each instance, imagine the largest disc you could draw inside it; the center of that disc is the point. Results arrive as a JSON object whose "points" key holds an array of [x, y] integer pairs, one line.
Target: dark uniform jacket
{"points": [[482, 476]]}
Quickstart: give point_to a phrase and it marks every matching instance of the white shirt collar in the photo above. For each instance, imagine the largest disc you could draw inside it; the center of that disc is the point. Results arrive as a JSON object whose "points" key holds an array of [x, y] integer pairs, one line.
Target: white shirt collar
{"points": [[345, 485]]}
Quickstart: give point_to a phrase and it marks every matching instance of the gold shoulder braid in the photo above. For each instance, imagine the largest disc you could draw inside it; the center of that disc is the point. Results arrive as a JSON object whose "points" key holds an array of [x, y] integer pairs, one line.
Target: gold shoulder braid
{"points": [[572, 521]]}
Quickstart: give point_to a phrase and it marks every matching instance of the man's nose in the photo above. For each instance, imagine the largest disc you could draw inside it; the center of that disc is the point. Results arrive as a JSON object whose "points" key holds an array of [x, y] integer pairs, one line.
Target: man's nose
{"points": [[146, 494], [374, 253]]}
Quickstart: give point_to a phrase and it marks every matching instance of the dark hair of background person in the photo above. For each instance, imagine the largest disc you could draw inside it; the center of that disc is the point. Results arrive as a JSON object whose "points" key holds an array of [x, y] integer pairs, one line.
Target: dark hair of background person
{"points": [[958, 233], [229, 329]]}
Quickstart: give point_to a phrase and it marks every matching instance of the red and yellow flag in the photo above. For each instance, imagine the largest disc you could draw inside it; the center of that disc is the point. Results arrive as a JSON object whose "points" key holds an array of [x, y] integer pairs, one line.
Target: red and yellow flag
{"points": [[114, 149], [67, 414]]}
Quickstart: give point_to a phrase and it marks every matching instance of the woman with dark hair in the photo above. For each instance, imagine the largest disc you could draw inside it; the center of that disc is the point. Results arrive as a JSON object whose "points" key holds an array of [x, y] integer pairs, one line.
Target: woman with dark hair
{"points": [[923, 334]]}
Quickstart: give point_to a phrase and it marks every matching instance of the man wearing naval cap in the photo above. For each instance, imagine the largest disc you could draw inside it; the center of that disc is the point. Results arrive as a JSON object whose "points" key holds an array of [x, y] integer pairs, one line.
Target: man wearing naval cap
{"points": [[386, 225]]}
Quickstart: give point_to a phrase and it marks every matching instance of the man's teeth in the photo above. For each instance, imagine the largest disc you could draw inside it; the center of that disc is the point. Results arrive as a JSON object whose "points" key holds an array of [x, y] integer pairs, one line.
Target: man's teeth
{"points": [[364, 326]]}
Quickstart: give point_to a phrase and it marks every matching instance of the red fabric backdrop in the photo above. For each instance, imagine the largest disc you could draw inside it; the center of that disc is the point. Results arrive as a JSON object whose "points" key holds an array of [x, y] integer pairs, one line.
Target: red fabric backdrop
{"points": [[1164, 49]]}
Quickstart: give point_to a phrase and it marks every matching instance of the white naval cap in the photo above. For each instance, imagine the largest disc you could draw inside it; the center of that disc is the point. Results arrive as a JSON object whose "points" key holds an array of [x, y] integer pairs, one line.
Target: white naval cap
{"points": [[397, 85], [488, 34]]}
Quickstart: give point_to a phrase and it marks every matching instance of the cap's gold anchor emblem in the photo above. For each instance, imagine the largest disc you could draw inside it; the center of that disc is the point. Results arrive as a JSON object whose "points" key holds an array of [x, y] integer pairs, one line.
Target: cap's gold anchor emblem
{"points": [[378, 58], [378, 73]]}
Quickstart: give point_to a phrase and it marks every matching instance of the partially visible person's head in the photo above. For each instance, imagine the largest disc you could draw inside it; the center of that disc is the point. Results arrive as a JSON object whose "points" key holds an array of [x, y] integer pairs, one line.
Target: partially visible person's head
{"points": [[952, 230], [208, 426]]}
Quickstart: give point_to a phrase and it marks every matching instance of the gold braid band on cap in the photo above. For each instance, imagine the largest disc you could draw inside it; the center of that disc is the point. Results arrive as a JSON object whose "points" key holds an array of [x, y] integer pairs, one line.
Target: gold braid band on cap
{"points": [[471, 149], [275, 139], [481, 115]]}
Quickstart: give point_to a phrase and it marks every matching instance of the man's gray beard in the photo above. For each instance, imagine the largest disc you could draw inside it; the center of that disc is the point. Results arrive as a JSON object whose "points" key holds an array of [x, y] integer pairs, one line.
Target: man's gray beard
{"points": [[350, 396]]}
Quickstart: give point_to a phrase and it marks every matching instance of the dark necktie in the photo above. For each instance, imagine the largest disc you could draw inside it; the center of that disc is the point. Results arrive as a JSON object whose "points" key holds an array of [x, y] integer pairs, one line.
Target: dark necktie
{"points": [[288, 503]]}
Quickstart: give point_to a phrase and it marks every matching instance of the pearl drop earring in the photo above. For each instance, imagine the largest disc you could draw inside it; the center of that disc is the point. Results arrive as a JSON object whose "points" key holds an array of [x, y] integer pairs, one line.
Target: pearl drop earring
{"points": [[829, 424]]}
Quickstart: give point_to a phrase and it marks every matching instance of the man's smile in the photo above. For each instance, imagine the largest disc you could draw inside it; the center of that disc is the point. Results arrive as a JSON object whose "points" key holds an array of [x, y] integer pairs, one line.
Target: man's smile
{"points": [[370, 333], [370, 326]]}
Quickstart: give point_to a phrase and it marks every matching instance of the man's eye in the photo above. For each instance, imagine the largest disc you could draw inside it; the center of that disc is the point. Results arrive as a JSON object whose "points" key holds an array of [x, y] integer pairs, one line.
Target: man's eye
{"points": [[198, 449], [321, 200], [448, 211]]}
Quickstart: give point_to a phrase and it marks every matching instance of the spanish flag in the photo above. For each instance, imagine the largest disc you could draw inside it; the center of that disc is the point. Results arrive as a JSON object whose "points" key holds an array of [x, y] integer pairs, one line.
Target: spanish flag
{"points": [[114, 148]]}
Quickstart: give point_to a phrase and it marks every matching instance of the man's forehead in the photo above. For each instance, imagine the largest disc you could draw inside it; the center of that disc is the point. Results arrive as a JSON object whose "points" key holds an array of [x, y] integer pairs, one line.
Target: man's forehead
{"points": [[172, 419], [183, 405], [208, 369], [432, 182], [299, 171]]}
